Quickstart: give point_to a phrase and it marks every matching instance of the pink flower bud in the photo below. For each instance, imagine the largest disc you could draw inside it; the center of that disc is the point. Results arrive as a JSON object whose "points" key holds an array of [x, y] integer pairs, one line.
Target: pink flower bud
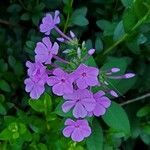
{"points": [[114, 70], [113, 93], [129, 75], [61, 39], [91, 51]]}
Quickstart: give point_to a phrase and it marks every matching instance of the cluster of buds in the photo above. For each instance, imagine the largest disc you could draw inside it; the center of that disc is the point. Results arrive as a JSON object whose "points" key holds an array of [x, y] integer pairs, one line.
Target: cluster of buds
{"points": [[72, 79]]}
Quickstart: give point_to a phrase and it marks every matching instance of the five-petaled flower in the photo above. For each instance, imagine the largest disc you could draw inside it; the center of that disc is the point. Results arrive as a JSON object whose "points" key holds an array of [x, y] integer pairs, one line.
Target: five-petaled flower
{"points": [[102, 103], [77, 130], [61, 82], [86, 76], [49, 22], [45, 50], [82, 101]]}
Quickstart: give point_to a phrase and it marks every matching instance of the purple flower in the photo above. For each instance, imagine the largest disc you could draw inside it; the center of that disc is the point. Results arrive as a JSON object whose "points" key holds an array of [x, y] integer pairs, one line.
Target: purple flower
{"points": [[61, 82], [37, 79], [77, 130], [86, 76], [48, 22], [82, 101], [45, 50], [102, 102]]}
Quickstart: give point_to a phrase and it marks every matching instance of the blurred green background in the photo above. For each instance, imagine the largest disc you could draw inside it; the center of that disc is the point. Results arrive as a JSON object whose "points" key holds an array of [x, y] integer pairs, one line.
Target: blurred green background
{"points": [[120, 32]]}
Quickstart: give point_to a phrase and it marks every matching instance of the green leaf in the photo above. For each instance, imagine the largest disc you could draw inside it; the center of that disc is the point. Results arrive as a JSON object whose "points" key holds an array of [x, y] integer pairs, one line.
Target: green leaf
{"points": [[119, 31], [78, 17], [81, 11], [95, 140], [91, 62], [129, 19], [144, 111], [25, 16], [98, 44], [80, 20], [117, 119], [30, 44], [107, 26], [5, 135], [2, 110], [127, 3], [14, 8], [4, 86], [43, 104]]}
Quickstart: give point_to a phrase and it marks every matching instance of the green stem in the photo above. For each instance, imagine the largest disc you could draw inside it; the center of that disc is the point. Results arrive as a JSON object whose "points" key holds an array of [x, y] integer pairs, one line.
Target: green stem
{"points": [[68, 17], [140, 22], [135, 99], [22, 4]]}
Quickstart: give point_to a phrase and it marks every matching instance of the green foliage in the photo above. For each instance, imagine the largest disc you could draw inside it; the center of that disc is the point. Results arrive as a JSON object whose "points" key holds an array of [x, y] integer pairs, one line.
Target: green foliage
{"points": [[95, 141], [120, 33], [115, 113]]}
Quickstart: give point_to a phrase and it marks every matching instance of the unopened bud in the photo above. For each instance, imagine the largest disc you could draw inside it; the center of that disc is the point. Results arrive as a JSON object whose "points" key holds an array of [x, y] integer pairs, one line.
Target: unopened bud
{"points": [[113, 93], [129, 75], [72, 34], [91, 51], [61, 39], [114, 70]]}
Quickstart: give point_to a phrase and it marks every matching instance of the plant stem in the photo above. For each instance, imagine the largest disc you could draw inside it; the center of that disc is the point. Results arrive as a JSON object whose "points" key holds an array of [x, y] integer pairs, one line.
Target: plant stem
{"points": [[62, 34], [5, 22], [135, 99], [68, 16], [60, 59], [140, 22]]}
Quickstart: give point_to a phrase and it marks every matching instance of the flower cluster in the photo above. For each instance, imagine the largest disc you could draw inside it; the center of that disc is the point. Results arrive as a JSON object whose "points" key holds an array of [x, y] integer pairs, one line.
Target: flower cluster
{"points": [[74, 82]]}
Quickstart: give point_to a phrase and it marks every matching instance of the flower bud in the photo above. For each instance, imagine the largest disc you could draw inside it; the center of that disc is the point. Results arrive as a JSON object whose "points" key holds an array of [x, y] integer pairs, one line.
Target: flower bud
{"points": [[129, 75], [113, 93], [91, 51], [72, 34], [114, 70], [61, 39]]}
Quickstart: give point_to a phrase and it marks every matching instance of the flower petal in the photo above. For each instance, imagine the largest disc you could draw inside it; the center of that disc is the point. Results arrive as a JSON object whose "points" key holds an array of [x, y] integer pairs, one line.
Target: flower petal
{"points": [[67, 131], [88, 103], [67, 106], [99, 94], [58, 72], [99, 110], [105, 101], [86, 130], [77, 135], [79, 111], [52, 80], [81, 83], [54, 49], [92, 81], [58, 89], [69, 122], [47, 42], [37, 91]]}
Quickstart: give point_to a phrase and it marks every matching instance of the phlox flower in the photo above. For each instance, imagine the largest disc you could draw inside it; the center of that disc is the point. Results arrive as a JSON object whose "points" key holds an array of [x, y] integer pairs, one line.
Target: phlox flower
{"points": [[102, 103], [81, 101], [77, 130], [86, 76], [49, 22], [45, 50], [61, 82]]}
